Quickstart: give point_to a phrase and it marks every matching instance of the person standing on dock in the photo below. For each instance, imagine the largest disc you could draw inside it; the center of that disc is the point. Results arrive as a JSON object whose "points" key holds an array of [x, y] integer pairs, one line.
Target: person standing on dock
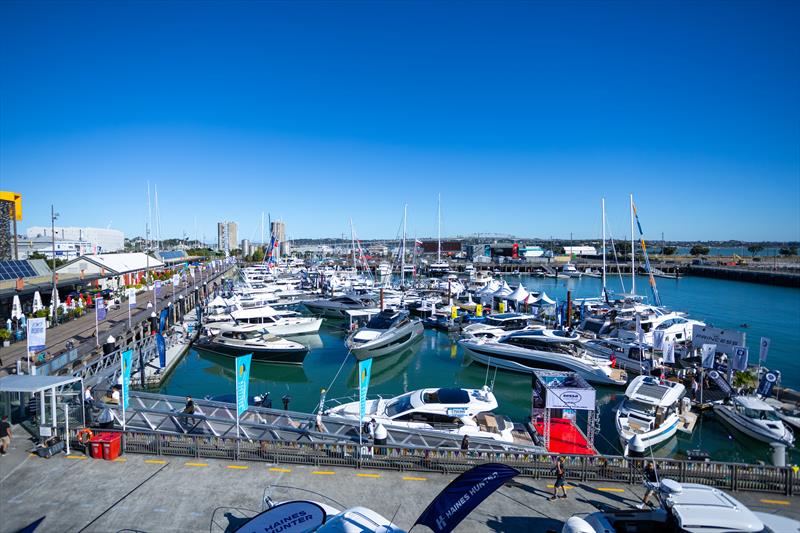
{"points": [[650, 482], [560, 474], [5, 435]]}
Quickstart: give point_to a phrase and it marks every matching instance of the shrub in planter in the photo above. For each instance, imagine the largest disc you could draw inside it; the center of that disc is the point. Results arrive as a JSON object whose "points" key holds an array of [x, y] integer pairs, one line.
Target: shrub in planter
{"points": [[5, 337]]}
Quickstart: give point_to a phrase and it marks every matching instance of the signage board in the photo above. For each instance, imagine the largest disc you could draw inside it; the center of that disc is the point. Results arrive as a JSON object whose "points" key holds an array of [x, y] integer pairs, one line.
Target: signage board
{"points": [[726, 339]]}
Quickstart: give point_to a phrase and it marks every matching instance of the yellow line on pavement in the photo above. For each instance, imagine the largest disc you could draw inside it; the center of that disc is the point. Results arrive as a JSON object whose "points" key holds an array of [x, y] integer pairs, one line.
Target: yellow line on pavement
{"points": [[610, 489], [81, 457], [280, 469], [412, 478], [155, 461], [196, 464], [776, 502], [551, 486], [368, 475], [120, 460], [238, 467], [323, 473]]}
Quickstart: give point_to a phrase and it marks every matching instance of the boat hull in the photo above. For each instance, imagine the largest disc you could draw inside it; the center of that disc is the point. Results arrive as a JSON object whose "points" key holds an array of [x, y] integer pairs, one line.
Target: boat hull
{"points": [[733, 421], [398, 343], [282, 356], [649, 439]]}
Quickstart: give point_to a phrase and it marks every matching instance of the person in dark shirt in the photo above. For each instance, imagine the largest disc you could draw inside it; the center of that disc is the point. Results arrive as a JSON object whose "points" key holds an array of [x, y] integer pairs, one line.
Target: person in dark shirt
{"points": [[560, 475], [651, 482], [5, 435]]}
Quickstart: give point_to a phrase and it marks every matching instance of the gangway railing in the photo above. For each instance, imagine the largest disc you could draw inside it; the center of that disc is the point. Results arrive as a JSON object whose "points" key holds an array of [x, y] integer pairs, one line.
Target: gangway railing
{"points": [[164, 414]]}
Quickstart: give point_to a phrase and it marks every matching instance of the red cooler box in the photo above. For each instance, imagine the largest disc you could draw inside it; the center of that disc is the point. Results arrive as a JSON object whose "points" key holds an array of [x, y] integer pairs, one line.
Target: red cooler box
{"points": [[96, 444], [112, 445]]}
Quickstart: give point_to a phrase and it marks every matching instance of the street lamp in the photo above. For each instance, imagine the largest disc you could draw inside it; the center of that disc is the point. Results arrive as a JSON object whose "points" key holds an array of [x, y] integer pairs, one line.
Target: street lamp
{"points": [[54, 296]]}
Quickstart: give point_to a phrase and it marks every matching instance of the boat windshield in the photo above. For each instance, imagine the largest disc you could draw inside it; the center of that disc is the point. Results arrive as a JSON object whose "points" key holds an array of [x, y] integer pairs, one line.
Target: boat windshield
{"points": [[382, 321], [399, 405], [760, 414]]}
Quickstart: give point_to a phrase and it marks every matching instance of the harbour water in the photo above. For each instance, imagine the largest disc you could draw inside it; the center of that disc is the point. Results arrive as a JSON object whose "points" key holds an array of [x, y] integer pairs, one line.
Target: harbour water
{"points": [[438, 362]]}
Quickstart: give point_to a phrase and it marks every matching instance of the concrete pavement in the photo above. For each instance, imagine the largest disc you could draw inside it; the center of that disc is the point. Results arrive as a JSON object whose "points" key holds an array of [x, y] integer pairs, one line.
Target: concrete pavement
{"points": [[155, 494]]}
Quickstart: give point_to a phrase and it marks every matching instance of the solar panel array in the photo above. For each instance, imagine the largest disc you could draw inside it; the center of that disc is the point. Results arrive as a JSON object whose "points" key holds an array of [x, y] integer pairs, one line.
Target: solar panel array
{"points": [[172, 254], [16, 269]]}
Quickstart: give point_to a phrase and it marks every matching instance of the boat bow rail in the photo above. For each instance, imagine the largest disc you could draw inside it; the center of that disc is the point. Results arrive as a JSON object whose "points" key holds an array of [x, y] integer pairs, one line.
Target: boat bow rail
{"points": [[163, 414]]}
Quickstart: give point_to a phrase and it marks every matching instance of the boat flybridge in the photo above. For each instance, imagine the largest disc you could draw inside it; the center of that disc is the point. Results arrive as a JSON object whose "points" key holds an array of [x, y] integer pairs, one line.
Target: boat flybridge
{"points": [[675, 326], [650, 413], [338, 306], [685, 508], [626, 355], [457, 411], [755, 418], [387, 332], [544, 349]]}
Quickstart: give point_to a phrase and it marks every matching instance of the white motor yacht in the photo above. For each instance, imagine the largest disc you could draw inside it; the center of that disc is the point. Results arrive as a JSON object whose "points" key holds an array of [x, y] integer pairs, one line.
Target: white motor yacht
{"points": [[387, 332], [685, 508], [650, 413], [626, 355], [495, 326], [458, 411], [235, 340], [528, 350], [570, 271], [755, 418], [272, 321]]}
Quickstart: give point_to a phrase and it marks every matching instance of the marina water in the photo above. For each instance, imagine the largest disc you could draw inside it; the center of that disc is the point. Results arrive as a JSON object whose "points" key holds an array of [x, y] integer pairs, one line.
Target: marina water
{"points": [[438, 362]]}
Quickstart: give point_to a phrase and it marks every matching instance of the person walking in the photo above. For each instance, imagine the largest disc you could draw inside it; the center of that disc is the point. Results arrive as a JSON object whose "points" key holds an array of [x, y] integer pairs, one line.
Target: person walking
{"points": [[465, 444], [560, 473], [650, 482], [189, 410], [5, 435]]}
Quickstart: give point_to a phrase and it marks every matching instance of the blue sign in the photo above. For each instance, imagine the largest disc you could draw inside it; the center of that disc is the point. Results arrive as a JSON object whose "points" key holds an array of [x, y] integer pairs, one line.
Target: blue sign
{"points": [[126, 360], [101, 309], [162, 320], [162, 350], [364, 369], [157, 288], [464, 494], [242, 382], [766, 385]]}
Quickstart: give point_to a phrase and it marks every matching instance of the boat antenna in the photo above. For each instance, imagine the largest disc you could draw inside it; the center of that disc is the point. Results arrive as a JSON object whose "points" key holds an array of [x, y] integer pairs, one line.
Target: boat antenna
{"points": [[395, 512], [486, 378]]}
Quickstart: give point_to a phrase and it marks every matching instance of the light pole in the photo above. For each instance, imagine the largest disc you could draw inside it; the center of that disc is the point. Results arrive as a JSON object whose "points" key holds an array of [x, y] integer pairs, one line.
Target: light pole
{"points": [[54, 296]]}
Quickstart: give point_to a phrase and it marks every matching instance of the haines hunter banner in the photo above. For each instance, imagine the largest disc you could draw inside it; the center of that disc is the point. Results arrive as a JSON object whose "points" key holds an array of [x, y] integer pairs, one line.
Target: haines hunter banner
{"points": [[464, 494], [289, 517], [242, 382]]}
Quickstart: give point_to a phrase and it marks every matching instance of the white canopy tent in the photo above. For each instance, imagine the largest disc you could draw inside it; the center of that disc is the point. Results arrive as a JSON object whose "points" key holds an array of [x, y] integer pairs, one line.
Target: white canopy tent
{"points": [[519, 294]]}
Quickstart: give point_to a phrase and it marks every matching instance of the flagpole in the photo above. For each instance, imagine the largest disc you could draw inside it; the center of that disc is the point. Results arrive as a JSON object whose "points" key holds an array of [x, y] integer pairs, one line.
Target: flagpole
{"points": [[96, 323]]}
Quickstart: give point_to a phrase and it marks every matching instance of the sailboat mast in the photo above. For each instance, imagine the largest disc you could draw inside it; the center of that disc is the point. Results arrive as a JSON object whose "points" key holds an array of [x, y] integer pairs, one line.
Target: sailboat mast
{"points": [[403, 249], [439, 234], [353, 244], [603, 210], [633, 255]]}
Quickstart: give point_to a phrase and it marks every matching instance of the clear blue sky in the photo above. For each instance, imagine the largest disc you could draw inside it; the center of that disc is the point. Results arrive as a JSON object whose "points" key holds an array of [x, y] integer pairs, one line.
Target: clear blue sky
{"points": [[523, 115]]}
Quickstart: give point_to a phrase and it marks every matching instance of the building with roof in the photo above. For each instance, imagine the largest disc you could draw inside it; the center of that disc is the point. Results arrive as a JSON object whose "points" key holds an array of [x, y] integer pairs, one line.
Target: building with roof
{"points": [[102, 240], [580, 250], [10, 213], [113, 270], [227, 233]]}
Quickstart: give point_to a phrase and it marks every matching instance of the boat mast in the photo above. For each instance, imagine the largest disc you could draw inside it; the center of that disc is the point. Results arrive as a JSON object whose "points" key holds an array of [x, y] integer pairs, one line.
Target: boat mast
{"points": [[603, 209], [633, 255], [403, 249], [353, 244], [439, 234]]}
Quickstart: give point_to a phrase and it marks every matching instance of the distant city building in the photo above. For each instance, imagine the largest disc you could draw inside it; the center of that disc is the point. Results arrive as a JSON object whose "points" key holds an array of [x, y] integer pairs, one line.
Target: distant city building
{"points": [[449, 247], [245, 247], [101, 240], [278, 229], [64, 249], [226, 236]]}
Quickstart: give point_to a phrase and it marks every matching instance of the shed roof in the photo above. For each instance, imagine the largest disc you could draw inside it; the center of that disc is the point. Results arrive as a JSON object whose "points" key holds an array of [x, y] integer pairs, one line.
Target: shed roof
{"points": [[32, 384]]}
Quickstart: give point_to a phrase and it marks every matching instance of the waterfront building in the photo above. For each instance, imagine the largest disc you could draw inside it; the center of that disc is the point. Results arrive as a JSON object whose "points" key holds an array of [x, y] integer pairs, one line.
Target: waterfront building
{"points": [[245, 247], [226, 236], [278, 229], [580, 250], [101, 240]]}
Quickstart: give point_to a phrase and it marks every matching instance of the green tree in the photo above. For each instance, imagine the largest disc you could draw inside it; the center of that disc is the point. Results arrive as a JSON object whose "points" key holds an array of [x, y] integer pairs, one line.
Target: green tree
{"points": [[789, 250], [669, 250], [699, 249], [754, 249]]}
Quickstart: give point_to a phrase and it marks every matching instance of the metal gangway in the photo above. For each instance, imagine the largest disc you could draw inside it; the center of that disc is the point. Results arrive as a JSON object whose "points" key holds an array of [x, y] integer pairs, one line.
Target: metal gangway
{"points": [[158, 413]]}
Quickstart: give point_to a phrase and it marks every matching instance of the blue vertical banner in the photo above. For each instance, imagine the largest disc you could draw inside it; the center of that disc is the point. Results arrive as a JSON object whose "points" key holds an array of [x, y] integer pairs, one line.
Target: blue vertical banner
{"points": [[157, 288], [464, 494], [364, 369], [100, 305], [162, 350], [162, 320], [242, 382], [126, 360]]}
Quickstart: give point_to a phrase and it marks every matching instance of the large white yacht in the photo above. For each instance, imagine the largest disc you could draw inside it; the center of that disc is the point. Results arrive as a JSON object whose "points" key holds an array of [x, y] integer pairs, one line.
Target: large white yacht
{"points": [[233, 341], [495, 326], [459, 411], [387, 332], [275, 322], [626, 355], [528, 350], [755, 418], [650, 413]]}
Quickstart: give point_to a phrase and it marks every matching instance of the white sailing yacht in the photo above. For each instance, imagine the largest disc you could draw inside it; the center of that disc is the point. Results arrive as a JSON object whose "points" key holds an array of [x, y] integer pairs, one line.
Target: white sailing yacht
{"points": [[439, 267]]}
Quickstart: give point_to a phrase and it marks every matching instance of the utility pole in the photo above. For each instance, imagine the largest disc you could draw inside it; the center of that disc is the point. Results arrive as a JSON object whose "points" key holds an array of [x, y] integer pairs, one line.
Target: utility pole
{"points": [[54, 296]]}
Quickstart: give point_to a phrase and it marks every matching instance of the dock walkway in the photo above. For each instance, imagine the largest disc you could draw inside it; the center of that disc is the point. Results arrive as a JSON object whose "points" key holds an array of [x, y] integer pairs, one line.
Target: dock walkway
{"points": [[160, 494]]}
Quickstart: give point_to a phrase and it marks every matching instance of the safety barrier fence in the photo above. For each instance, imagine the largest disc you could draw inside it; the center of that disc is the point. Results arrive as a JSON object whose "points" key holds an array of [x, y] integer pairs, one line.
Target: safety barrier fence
{"points": [[579, 469]]}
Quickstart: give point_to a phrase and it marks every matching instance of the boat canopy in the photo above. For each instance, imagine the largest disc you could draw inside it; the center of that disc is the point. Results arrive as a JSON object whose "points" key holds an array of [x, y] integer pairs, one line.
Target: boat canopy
{"points": [[751, 402]]}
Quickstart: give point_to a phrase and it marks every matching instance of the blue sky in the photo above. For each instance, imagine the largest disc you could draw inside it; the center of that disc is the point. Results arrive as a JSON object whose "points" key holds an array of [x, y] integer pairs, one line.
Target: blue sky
{"points": [[523, 115]]}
